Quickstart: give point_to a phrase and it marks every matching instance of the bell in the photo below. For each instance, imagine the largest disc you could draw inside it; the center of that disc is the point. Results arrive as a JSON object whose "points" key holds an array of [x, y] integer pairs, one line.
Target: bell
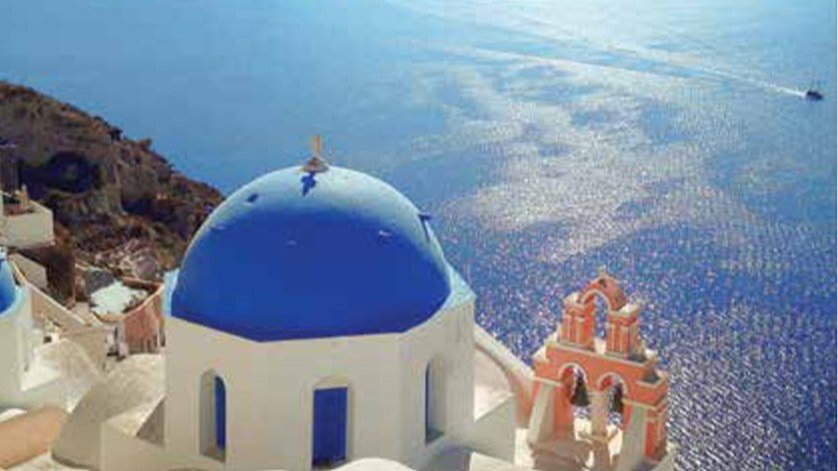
{"points": [[580, 395], [617, 401]]}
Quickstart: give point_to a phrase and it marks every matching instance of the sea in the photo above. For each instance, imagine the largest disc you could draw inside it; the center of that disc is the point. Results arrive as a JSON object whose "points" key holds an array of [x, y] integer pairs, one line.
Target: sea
{"points": [[668, 141]]}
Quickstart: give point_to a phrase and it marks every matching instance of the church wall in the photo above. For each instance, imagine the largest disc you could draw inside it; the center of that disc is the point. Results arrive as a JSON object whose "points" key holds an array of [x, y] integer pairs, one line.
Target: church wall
{"points": [[448, 336], [270, 391], [9, 356], [25, 327], [270, 394], [369, 366], [191, 352]]}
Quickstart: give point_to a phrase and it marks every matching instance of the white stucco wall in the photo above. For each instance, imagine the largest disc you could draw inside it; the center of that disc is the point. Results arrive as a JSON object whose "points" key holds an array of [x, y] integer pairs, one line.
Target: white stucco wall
{"points": [[269, 390], [128, 453], [33, 229], [11, 352], [27, 382], [449, 338]]}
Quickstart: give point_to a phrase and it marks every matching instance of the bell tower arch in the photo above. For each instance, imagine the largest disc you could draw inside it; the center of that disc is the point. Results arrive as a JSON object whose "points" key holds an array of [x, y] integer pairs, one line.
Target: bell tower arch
{"points": [[621, 374]]}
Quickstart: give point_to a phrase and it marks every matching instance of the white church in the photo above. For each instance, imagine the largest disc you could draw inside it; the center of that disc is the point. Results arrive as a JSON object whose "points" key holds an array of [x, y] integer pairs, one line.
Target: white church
{"points": [[314, 321], [315, 324]]}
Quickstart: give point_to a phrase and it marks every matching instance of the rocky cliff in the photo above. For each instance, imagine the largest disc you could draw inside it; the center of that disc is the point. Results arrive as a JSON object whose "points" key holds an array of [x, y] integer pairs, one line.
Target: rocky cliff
{"points": [[116, 202]]}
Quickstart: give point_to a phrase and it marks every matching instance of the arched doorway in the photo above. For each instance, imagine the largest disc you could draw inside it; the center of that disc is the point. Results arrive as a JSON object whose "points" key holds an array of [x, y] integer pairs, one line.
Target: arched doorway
{"points": [[213, 415], [330, 424], [434, 400]]}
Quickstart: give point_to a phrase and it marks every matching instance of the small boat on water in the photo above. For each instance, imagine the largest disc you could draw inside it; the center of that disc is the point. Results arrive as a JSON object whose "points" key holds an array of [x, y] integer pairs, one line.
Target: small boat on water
{"points": [[813, 94]]}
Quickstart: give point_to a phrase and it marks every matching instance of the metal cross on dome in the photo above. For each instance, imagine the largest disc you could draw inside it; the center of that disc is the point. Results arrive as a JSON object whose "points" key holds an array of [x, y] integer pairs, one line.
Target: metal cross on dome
{"points": [[316, 163]]}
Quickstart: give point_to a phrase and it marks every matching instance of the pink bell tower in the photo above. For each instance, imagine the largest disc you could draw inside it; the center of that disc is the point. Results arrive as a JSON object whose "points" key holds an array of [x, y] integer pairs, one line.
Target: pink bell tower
{"points": [[576, 368]]}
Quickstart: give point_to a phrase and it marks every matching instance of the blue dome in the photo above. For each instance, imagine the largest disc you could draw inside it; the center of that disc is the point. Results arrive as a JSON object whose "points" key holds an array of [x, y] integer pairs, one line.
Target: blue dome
{"points": [[295, 255], [8, 287]]}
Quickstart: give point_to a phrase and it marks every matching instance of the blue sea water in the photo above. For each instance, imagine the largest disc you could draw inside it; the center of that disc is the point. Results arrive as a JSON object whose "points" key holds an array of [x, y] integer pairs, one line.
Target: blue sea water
{"points": [[666, 140]]}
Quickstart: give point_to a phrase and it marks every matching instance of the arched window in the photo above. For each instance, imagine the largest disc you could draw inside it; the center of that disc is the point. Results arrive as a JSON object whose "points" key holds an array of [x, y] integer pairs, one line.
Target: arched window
{"points": [[600, 316], [575, 380], [213, 408], [434, 400], [616, 390]]}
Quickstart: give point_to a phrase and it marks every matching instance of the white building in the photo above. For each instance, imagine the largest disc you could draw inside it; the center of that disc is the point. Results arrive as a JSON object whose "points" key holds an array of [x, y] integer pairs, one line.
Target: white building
{"points": [[314, 321], [26, 381], [24, 223]]}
